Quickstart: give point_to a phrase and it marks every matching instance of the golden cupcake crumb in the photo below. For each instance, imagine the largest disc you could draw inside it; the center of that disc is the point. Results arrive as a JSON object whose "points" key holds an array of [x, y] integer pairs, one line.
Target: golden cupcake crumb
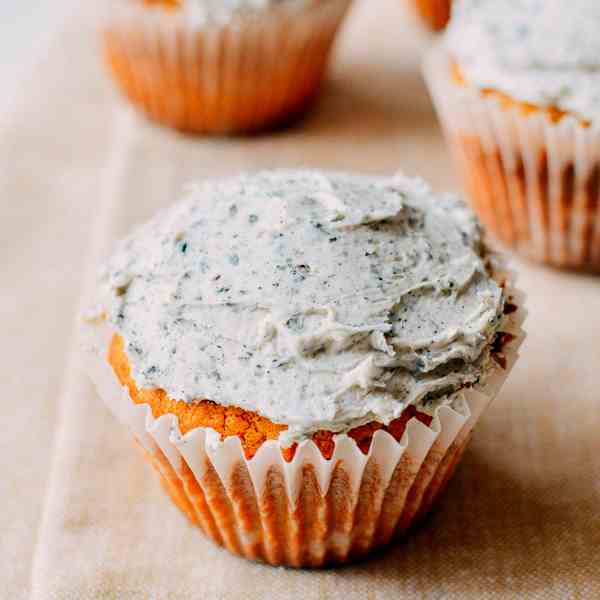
{"points": [[554, 113], [251, 428]]}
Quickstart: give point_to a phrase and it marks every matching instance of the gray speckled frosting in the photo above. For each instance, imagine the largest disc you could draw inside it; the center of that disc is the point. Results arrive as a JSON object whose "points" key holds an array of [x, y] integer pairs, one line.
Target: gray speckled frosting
{"points": [[319, 300], [546, 52]]}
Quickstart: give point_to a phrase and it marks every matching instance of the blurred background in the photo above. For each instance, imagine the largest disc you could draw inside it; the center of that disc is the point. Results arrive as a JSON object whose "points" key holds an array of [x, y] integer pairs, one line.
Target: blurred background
{"points": [[26, 30]]}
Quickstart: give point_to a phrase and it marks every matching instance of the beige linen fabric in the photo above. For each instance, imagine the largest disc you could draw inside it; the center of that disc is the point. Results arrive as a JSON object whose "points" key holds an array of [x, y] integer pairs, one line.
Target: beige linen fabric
{"points": [[48, 180], [83, 516]]}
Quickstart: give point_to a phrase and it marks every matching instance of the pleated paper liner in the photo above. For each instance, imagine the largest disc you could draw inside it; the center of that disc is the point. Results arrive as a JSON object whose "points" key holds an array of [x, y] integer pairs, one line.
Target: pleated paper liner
{"points": [[244, 75], [534, 183], [309, 512]]}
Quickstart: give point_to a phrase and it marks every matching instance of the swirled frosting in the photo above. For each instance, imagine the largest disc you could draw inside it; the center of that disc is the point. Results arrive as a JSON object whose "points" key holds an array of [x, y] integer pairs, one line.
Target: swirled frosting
{"points": [[319, 300], [543, 52]]}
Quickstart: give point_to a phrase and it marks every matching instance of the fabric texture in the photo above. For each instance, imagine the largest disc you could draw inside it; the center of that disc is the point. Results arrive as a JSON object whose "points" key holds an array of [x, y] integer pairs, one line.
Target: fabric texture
{"points": [[85, 518]]}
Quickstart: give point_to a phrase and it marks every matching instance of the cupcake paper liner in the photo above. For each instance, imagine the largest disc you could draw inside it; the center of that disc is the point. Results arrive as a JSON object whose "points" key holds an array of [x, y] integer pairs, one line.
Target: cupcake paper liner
{"points": [[435, 13], [243, 75], [534, 183], [311, 511]]}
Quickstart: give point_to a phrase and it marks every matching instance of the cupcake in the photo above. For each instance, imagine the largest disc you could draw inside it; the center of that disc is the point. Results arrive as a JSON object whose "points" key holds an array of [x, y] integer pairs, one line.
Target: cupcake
{"points": [[302, 356], [517, 87], [212, 66], [435, 13]]}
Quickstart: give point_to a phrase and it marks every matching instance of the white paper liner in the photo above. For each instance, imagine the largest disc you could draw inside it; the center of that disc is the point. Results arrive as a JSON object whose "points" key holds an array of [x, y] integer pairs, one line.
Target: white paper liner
{"points": [[242, 75], [535, 183], [318, 511]]}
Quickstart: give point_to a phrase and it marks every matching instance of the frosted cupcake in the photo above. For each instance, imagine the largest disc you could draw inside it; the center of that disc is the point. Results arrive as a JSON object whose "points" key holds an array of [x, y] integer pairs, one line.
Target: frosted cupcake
{"points": [[517, 86], [214, 66], [303, 355], [435, 13]]}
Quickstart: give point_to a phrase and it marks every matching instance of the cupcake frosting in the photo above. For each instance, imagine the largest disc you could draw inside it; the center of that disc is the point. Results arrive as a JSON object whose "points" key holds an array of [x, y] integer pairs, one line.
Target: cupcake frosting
{"points": [[206, 11], [543, 52], [319, 300]]}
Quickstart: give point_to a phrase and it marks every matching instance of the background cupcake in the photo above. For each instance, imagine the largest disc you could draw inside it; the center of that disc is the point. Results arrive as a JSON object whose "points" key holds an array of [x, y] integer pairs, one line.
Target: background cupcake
{"points": [[217, 67], [434, 12], [303, 356], [517, 86]]}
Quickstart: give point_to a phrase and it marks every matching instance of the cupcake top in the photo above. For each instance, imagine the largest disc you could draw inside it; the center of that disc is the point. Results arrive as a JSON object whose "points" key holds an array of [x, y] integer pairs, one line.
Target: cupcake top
{"points": [[318, 300], [542, 52], [206, 11]]}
